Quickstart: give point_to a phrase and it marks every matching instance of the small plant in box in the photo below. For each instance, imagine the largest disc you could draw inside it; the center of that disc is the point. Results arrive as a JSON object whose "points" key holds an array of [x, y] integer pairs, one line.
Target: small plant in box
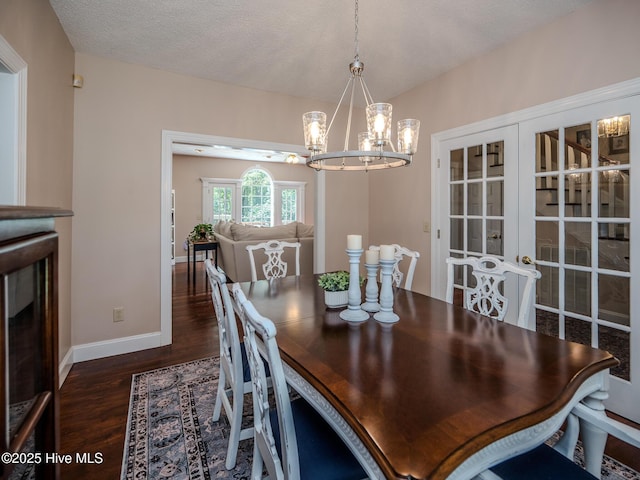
{"points": [[336, 288]]}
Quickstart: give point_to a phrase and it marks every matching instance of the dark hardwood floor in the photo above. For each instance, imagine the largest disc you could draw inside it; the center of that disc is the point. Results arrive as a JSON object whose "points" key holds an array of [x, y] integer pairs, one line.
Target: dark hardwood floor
{"points": [[95, 395]]}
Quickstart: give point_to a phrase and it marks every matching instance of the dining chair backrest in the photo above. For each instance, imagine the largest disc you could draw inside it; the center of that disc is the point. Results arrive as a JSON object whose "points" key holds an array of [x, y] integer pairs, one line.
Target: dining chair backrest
{"points": [[485, 297], [229, 337], [233, 383], [397, 275], [275, 266], [293, 441], [260, 342]]}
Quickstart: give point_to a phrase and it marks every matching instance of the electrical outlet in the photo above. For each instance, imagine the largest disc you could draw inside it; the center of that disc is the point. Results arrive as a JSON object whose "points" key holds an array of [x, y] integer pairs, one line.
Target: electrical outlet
{"points": [[118, 314]]}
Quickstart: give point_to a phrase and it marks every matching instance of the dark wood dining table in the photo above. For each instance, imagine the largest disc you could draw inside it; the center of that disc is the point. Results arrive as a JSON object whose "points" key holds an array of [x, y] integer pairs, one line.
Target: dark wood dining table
{"points": [[442, 393]]}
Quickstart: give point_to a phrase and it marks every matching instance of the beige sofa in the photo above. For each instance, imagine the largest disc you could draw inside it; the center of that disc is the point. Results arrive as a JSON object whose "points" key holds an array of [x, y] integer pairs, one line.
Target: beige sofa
{"points": [[233, 239]]}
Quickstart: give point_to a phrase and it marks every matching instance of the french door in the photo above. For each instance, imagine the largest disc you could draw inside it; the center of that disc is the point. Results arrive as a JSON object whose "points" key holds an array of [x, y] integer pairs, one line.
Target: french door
{"points": [[477, 207], [579, 214], [555, 193]]}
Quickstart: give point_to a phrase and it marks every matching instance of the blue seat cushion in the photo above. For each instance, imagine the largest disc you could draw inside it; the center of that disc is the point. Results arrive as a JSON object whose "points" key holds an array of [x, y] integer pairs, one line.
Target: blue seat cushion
{"points": [[321, 452], [541, 463], [246, 371]]}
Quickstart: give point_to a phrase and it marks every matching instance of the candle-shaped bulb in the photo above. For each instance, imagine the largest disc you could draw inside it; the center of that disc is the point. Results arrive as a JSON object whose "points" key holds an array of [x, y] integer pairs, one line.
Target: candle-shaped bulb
{"points": [[378, 124]]}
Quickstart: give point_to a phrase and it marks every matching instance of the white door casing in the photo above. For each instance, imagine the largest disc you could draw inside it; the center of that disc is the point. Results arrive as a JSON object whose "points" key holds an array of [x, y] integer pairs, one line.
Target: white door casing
{"points": [[13, 124]]}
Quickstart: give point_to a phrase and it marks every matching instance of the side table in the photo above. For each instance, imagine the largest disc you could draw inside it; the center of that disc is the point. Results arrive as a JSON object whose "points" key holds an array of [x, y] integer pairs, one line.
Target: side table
{"points": [[201, 246]]}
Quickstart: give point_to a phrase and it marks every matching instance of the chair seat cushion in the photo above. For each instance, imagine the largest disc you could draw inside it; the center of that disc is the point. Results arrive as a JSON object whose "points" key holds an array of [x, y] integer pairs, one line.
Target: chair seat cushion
{"points": [[541, 463], [321, 452]]}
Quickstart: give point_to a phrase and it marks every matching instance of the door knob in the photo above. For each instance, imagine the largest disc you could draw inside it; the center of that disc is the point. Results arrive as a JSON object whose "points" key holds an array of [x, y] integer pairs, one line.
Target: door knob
{"points": [[527, 260]]}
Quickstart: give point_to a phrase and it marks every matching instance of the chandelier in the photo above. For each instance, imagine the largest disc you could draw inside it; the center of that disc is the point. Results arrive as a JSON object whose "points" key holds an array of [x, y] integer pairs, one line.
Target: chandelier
{"points": [[375, 150]]}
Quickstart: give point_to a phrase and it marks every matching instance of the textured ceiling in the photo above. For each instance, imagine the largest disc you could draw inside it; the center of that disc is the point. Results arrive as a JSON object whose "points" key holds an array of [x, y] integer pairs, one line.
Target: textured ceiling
{"points": [[302, 47]]}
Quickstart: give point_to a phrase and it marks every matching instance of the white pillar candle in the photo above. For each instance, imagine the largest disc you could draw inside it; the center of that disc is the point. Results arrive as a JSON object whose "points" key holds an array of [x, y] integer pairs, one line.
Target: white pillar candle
{"points": [[387, 252], [354, 242], [371, 257]]}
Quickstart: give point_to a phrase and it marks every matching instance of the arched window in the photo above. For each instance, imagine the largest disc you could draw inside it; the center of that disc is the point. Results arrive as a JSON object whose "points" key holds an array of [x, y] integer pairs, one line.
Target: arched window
{"points": [[257, 198]]}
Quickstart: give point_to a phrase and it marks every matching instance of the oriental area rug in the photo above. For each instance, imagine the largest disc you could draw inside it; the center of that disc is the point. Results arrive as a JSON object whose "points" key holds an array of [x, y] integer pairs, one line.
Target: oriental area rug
{"points": [[170, 433]]}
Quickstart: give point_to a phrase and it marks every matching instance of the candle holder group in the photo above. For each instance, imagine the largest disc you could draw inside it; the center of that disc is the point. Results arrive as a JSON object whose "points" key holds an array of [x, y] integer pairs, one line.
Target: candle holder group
{"points": [[384, 258]]}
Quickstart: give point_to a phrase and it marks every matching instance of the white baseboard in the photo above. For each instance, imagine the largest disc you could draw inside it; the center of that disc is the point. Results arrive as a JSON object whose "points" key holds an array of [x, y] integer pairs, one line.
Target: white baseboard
{"points": [[117, 346], [65, 367], [200, 257], [107, 348]]}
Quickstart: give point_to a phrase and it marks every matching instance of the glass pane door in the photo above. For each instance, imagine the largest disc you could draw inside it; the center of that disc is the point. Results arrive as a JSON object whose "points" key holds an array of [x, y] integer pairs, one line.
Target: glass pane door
{"points": [[478, 220], [579, 166], [222, 203]]}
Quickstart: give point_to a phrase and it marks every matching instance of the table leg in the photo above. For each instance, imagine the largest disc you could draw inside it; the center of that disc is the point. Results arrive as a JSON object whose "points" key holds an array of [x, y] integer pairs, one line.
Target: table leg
{"points": [[591, 413], [194, 265]]}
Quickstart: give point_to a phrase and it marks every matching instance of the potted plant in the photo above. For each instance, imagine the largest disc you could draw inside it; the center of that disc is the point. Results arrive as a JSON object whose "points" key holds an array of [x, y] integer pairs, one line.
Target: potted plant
{"points": [[336, 288], [202, 231]]}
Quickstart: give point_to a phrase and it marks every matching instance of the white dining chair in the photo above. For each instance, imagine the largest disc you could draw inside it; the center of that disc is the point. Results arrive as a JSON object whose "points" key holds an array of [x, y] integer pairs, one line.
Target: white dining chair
{"points": [[235, 379], [274, 267], [557, 462], [485, 296], [291, 440], [397, 275]]}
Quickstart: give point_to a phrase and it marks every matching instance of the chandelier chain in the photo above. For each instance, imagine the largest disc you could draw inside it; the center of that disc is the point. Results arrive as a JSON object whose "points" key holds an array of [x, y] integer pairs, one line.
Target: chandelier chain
{"points": [[356, 31]]}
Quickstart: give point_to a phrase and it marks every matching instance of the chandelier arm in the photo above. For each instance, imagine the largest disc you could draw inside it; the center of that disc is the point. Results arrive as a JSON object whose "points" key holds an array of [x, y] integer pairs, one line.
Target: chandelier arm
{"points": [[346, 138], [335, 112], [365, 91]]}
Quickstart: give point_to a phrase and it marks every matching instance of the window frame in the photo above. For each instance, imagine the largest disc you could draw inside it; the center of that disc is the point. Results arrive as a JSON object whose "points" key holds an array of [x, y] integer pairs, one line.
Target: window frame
{"points": [[208, 184], [278, 188]]}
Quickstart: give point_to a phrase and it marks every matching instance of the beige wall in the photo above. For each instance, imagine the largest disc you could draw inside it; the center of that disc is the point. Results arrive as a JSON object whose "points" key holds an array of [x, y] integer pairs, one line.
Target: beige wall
{"points": [[590, 48], [32, 29], [122, 110], [119, 117], [187, 171]]}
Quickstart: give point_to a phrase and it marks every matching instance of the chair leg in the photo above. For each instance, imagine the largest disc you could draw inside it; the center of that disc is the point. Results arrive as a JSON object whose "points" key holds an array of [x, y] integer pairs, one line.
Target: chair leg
{"points": [[236, 425], [222, 380], [256, 467]]}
